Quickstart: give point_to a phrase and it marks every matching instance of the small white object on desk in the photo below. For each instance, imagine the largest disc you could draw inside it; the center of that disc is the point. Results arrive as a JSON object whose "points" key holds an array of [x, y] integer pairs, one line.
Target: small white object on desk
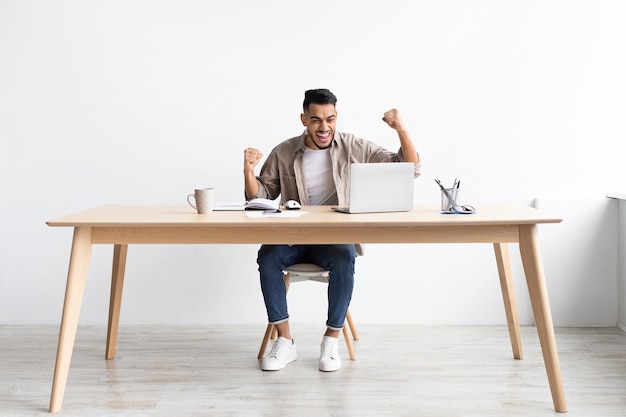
{"points": [[292, 205]]}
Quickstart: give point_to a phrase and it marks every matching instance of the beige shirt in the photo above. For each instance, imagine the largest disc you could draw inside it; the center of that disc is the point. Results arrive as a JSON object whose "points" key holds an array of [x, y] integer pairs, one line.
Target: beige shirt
{"points": [[283, 174]]}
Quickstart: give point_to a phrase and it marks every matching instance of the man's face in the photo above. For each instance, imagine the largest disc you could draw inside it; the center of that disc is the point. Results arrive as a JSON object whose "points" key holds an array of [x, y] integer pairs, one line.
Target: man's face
{"points": [[320, 121]]}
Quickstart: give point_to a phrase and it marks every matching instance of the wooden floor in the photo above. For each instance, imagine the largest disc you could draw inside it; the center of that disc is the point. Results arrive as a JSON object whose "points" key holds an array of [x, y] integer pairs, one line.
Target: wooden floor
{"points": [[400, 371]]}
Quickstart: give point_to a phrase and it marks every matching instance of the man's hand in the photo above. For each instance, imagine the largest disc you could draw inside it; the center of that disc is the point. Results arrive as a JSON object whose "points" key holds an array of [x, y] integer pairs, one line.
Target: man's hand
{"points": [[251, 158], [393, 119]]}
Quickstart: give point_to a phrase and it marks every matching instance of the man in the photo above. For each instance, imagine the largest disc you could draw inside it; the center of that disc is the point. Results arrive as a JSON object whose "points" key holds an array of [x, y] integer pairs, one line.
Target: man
{"points": [[314, 169]]}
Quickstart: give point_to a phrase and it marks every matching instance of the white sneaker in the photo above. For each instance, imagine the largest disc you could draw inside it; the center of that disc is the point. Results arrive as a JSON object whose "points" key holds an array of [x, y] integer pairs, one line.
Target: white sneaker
{"points": [[329, 354], [282, 354]]}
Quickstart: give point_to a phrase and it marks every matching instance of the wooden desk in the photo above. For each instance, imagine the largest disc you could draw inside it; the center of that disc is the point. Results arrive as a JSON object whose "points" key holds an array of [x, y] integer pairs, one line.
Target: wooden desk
{"points": [[124, 225]]}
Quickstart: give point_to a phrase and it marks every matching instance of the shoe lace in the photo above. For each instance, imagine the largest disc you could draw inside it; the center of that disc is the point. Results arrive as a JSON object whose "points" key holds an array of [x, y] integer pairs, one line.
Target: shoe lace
{"points": [[278, 346], [330, 350]]}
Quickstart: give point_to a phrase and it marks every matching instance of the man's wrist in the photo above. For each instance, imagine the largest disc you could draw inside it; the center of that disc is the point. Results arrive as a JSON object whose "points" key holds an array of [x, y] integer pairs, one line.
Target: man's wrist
{"points": [[402, 131]]}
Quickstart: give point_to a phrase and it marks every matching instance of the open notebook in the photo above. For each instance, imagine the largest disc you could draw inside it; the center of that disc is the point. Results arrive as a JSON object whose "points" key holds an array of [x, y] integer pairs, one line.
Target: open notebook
{"points": [[254, 204]]}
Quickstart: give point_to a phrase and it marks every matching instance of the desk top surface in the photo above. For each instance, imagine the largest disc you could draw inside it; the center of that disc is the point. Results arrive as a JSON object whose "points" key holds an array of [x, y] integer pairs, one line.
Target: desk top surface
{"points": [[318, 216]]}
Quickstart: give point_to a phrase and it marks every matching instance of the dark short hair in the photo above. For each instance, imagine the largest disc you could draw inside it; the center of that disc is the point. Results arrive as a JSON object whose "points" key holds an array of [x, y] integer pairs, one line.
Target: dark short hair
{"points": [[318, 96]]}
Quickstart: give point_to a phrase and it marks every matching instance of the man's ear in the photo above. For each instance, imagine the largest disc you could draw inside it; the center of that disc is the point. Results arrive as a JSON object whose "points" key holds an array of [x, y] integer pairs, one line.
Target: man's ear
{"points": [[303, 119]]}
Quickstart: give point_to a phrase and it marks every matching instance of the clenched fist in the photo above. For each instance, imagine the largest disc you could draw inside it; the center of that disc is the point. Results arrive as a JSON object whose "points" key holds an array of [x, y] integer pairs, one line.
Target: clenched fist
{"points": [[393, 119], [251, 158]]}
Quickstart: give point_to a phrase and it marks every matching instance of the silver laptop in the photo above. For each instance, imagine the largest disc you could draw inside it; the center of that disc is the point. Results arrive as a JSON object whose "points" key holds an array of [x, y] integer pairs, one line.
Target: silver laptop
{"points": [[380, 187]]}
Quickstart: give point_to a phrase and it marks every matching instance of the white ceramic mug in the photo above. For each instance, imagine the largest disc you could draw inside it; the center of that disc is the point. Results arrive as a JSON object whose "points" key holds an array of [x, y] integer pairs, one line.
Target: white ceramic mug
{"points": [[203, 198]]}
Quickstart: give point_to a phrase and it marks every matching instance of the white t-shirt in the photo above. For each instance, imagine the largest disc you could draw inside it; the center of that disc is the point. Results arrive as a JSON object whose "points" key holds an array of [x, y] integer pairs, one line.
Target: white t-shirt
{"points": [[318, 177]]}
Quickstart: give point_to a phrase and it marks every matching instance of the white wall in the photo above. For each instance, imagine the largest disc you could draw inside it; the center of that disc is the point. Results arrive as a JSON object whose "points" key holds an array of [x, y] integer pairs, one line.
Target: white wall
{"points": [[621, 264], [580, 259], [621, 303], [138, 102]]}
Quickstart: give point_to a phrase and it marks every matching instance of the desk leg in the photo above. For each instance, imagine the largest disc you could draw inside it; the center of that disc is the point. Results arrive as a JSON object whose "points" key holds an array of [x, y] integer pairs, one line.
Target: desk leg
{"points": [[508, 294], [115, 302], [531, 259], [74, 290]]}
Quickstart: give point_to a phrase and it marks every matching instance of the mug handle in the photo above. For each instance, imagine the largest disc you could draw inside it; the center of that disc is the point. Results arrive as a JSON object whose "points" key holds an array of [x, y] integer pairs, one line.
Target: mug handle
{"points": [[190, 203]]}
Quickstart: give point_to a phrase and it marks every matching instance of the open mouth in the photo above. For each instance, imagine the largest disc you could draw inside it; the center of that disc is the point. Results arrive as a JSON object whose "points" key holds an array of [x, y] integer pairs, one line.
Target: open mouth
{"points": [[323, 137]]}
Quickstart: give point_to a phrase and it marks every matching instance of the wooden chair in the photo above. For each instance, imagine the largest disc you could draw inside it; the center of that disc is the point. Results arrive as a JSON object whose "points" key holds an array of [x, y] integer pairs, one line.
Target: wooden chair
{"points": [[310, 272]]}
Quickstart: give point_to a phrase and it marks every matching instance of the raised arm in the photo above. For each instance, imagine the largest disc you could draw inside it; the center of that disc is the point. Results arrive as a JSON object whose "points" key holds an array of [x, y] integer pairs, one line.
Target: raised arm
{"points": [[409, 152], [251, 158]]}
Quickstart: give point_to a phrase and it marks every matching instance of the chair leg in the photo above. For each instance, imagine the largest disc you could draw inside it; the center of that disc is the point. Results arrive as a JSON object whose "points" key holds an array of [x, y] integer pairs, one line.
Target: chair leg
{"points": [[268, 332], [349, 346], [355, 335]]}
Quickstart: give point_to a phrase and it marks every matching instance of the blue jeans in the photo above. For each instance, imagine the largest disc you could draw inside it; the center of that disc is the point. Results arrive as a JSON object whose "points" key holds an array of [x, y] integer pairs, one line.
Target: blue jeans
{"points": [[337, 259]]}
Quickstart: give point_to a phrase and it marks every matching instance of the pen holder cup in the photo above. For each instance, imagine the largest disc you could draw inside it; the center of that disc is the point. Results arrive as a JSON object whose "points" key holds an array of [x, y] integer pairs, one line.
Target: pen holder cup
{"points": [[446, 203]]}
